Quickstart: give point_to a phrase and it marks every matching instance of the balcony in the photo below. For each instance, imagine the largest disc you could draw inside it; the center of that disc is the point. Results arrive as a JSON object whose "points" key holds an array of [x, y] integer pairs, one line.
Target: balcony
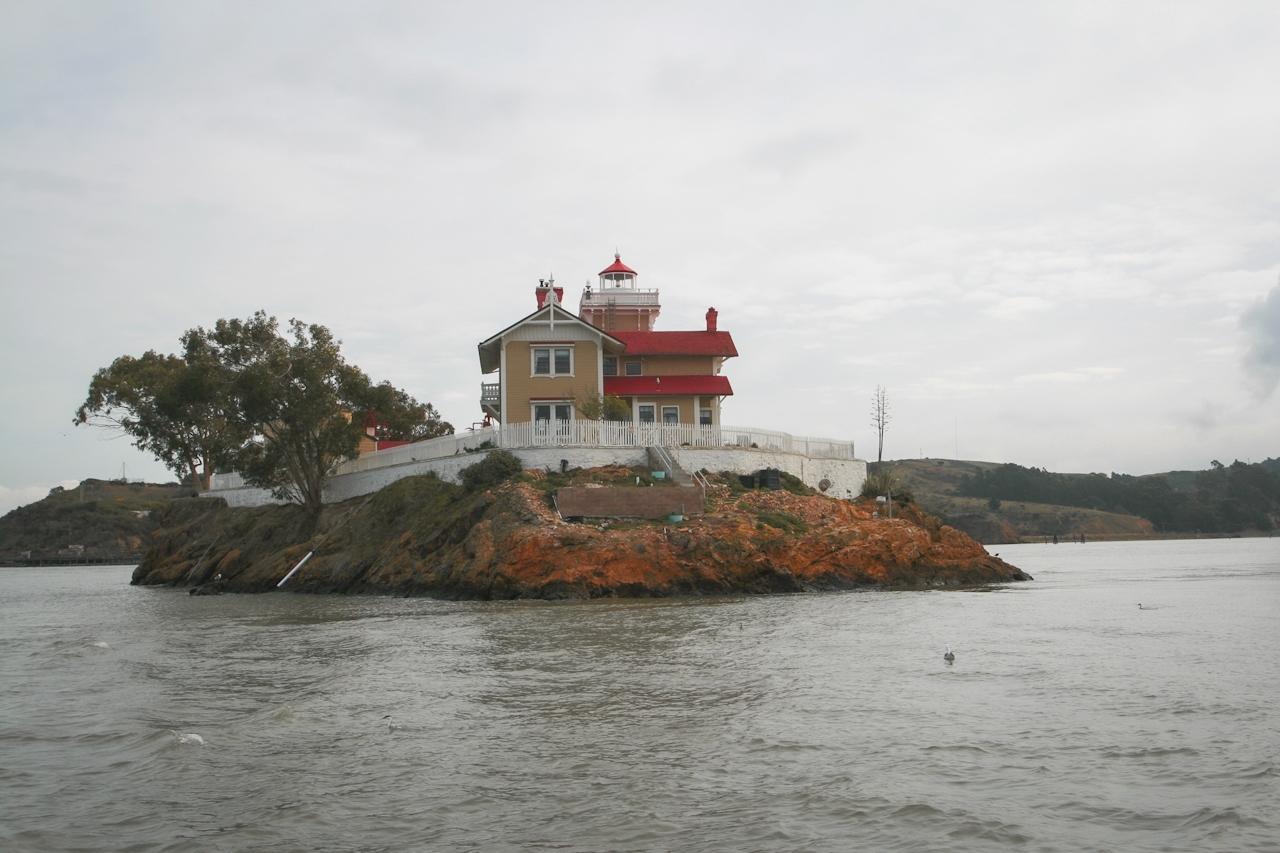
{"points": [[618, 297], [490, 393]]}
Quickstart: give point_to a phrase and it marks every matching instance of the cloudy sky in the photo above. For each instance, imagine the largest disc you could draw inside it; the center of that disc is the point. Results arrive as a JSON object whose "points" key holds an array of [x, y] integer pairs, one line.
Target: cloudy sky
{"points": [[1051, 232]]}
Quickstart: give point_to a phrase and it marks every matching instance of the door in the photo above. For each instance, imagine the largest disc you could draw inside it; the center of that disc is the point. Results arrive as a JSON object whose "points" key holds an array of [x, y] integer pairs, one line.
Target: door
{"points": [[647, 429], [541, 420], [564, 421]]}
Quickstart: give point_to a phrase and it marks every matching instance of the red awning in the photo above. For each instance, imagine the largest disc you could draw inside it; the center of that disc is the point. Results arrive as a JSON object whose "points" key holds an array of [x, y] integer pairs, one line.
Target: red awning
{"points": [[667, 386], [678, 343]]}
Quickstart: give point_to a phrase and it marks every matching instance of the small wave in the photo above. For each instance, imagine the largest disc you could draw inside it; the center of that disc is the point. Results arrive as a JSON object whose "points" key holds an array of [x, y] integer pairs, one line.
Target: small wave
{"points": [[955, 748], [1258, 772], [1214, 817], [990, 830], [189, 738], [100, 645], [1153, 752], [916, 811]]}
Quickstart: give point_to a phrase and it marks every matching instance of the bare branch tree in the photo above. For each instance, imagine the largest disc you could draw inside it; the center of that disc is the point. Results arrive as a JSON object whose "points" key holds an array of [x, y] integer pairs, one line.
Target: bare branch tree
{"points": [[880, 420]]}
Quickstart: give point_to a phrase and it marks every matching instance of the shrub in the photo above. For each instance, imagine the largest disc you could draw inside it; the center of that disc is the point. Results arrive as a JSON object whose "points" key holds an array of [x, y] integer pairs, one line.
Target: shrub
{"points": [[879, 483], [498, 467], [784, 521], [792, 483]]}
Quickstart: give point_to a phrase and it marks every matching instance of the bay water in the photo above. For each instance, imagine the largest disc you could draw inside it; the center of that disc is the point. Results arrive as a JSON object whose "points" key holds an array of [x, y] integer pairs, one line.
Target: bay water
{"points": [[139, 719]]}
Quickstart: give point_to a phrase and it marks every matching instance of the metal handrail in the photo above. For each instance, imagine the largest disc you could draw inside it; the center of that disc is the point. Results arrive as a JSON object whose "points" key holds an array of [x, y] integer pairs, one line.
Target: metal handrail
{"points": [[664, 459], [698, 478]]}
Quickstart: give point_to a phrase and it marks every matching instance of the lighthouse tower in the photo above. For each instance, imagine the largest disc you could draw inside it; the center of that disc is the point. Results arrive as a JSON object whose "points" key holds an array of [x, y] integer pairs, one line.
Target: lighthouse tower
{"points": [[618, 305]]}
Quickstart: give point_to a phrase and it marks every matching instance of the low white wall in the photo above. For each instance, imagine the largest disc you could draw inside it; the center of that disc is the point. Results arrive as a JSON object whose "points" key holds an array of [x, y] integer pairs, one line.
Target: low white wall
{"points": [[846, 475]]}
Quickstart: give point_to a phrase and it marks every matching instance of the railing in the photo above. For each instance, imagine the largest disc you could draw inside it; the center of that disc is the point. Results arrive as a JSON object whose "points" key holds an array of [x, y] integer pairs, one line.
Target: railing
{"points": [[628, 434], [619, 296], [489, 392], [678, 438], [665, 461], [682, 460]]}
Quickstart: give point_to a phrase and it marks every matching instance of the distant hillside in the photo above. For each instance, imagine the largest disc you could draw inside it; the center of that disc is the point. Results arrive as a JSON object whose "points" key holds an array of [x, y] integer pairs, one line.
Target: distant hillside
{"points": [[100, 516], [935, 485], [1007, 503]]}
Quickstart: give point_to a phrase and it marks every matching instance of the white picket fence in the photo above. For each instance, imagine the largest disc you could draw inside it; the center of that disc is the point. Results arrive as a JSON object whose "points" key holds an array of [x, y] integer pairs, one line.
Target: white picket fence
{"points": [[601, 434], [627, 434]]}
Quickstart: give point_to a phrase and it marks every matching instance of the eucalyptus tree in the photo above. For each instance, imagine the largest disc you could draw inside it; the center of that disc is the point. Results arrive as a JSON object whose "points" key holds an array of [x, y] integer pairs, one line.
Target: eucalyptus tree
{"points": [[176, 408], [283, 410], [304, 404]]}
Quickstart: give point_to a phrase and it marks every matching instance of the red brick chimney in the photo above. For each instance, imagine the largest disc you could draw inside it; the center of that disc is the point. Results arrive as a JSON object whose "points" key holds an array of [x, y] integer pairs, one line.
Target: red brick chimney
{"points": [[712, 314], [543, 288]]}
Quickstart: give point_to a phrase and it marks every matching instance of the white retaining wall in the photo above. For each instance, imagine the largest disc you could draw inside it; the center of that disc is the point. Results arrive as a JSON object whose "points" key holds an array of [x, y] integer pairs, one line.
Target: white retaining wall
{"points": [[846, 475]]}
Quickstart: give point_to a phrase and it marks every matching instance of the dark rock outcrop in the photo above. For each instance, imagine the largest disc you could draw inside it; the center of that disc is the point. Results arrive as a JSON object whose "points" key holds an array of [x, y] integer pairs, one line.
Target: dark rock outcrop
{"points": [[420, 536]]}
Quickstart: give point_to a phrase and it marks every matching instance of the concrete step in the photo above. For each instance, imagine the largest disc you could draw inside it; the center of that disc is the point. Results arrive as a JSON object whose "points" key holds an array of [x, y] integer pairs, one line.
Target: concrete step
{"points": [[678, 475]]}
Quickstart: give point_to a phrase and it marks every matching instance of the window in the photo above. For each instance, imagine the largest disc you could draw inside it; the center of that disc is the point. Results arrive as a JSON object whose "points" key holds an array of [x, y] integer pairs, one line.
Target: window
{"points": [[610, 365], [553, 362], [646, 413], [544, 411], [633, 368], [704, 417], [671, 414]]}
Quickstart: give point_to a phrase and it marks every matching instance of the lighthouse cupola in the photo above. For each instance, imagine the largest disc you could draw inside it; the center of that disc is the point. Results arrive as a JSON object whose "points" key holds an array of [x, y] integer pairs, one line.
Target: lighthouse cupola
{"points": [[617, 274]]}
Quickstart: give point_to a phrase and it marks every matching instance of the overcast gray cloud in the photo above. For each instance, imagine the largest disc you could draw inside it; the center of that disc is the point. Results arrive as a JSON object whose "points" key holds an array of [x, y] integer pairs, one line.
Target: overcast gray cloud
{"points": [[1261, 323], [1045, 230]]}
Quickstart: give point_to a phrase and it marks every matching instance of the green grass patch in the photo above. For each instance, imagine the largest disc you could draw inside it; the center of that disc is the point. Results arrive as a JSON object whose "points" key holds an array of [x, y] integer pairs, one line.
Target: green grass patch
{"points": [[784, 521]]}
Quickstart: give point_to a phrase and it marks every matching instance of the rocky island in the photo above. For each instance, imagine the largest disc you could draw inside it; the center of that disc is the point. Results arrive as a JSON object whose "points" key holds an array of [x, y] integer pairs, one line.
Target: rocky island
{"points": [[422, 536]]}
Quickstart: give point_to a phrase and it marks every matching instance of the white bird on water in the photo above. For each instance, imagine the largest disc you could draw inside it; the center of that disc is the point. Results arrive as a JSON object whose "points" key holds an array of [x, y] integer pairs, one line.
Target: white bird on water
{"points": [[948, 655], [391, 726]]}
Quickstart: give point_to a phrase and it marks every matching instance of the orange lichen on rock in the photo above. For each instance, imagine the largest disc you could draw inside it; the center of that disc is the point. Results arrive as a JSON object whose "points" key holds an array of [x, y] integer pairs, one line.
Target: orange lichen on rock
{"points": [[423, 537]]}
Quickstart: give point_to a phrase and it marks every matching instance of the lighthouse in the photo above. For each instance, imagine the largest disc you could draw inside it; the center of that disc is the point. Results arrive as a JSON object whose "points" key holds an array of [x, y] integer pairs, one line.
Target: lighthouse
{"points": [[618, 304]]}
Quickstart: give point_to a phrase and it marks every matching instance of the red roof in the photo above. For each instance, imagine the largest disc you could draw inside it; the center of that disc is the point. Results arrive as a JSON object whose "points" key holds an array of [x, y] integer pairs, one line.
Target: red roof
{"points": [[678, 343], [617, 266], [665, 386]]}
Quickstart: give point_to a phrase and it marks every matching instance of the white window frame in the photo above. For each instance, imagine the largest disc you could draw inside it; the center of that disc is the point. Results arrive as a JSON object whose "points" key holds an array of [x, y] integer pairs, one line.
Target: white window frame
{"points": [[639, 368], [552, 405], [666, 409], [709, 414], [640, 407], [603, 360], [551, 359]]}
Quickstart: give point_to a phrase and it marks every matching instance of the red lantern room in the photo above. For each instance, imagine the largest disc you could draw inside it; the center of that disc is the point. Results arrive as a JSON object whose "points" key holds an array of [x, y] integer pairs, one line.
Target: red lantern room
{"points": [[617, 274]]}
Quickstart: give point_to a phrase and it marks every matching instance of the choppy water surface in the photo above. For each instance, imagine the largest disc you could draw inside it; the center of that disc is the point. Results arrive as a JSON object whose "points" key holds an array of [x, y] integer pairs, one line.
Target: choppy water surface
{"points": [[147, 719]]}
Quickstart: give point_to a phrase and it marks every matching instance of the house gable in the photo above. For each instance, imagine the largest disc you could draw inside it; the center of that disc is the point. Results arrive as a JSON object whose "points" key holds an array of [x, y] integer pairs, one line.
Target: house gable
{"points": [[551, 323], [571, 352]]}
